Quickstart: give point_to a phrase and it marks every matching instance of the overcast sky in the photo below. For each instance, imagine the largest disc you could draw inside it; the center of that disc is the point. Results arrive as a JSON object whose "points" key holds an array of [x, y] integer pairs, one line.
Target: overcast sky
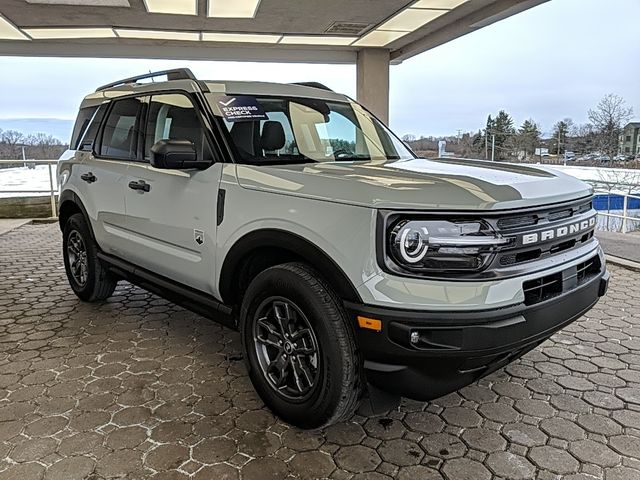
{"points": [[554, 61]]}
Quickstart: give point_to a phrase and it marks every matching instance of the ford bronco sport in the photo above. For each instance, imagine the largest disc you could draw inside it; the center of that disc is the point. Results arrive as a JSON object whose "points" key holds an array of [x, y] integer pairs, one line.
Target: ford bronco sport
{"points": [[347, 263]]}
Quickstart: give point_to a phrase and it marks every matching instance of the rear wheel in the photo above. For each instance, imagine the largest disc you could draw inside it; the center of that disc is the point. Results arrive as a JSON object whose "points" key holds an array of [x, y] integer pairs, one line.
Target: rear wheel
{"points": [[299, 347], [87, 276]]}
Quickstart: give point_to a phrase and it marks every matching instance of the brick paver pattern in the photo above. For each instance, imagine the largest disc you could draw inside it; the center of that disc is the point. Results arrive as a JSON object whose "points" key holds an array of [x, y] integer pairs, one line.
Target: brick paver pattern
{"points": [[136, 387]]}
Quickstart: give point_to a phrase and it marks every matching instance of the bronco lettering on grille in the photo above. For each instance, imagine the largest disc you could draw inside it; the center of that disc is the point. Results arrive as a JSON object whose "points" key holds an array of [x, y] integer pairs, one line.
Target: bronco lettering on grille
{"points": [[559, 232]]}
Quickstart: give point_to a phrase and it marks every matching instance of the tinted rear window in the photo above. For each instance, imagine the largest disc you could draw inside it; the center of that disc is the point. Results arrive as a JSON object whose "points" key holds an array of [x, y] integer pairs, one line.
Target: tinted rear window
{"points": [[82, 122]]}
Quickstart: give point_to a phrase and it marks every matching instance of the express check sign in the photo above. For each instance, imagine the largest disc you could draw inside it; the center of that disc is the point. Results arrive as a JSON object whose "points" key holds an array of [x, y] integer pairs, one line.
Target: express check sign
{"points": [[241, 109]]}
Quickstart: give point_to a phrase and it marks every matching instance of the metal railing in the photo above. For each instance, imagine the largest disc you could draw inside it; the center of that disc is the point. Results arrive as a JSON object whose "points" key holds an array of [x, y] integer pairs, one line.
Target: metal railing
{"points": [[53, 186], [611, 188]]}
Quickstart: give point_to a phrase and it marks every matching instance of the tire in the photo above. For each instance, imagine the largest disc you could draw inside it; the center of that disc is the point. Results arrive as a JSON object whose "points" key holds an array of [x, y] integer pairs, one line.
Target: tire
{"points": [[88, 278], [307, 390]]}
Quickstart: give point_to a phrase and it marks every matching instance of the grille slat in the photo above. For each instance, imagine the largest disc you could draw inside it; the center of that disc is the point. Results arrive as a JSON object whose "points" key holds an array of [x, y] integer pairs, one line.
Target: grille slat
{"points": [[550, 286], [541, 289], [524, 224], [522, 221]]}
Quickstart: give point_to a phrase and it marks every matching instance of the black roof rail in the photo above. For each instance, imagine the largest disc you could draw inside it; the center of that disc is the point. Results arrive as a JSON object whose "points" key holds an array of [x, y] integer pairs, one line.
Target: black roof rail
{"points": [[175, 74], [314, 85]]}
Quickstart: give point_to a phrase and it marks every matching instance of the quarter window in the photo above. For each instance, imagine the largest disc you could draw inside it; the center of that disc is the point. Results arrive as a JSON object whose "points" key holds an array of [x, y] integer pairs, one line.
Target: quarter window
{"points": [[174, 117], [120, 136], [82, 122]]}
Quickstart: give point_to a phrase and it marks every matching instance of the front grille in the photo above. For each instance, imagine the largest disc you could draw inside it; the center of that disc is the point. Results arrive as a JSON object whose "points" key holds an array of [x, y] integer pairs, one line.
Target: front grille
{"points": [[518, 225], [552, 215], [517, 222], [587, 270], [541, 289], [550, 286]]}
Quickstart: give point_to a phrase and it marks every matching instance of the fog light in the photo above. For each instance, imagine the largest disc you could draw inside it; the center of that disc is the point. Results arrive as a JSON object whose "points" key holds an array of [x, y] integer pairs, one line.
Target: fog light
{"points": [[415, 338]]}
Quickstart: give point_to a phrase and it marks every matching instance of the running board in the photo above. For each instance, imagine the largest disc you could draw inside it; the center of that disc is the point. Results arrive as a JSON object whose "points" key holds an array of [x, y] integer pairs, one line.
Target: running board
{"points": [[187, 297]]}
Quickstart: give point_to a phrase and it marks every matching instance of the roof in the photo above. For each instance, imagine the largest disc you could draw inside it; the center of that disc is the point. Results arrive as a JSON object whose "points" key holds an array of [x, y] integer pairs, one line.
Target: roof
{"points": [[185, 80], [268, 88], [327, 31]]}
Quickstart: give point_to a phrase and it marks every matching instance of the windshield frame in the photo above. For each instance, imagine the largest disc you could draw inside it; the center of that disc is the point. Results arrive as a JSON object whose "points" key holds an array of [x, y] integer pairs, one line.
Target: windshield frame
{"points": [[237, 158]]}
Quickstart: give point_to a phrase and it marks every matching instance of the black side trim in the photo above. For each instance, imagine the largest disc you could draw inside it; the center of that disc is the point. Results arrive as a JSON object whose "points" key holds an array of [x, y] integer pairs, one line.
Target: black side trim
{"points": [[188, 297], [220, 208]]}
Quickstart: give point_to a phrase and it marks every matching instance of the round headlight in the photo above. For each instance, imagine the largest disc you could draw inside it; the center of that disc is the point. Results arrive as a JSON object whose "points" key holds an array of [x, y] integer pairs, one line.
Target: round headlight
{"points": [[413, 243]]}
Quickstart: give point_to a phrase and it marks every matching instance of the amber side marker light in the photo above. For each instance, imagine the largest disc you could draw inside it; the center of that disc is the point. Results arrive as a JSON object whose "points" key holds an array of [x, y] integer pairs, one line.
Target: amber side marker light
{"points": [[370, 324]]}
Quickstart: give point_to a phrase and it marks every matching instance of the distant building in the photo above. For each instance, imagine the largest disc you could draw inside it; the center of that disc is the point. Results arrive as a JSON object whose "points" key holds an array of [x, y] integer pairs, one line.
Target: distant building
{"points": [[630, 139], [542, 152]]}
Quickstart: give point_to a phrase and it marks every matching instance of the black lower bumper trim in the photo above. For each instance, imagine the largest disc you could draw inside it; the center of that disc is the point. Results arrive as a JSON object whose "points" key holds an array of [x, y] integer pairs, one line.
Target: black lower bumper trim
{"points": [[424, 355]]}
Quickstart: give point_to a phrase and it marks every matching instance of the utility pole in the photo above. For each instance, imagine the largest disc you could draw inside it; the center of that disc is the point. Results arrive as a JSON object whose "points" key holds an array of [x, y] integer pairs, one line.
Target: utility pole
{"points": [[493, 148], [486, 145], [559, 133]]}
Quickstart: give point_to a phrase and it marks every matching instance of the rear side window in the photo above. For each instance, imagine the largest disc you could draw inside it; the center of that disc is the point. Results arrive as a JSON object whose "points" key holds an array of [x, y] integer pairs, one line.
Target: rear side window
{"points": [[82, 122], [120, 134], [88, 138]]}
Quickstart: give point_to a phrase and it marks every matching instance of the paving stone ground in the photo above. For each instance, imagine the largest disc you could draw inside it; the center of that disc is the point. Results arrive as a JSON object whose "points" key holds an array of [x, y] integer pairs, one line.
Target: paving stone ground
{"points": [[138, 388]]}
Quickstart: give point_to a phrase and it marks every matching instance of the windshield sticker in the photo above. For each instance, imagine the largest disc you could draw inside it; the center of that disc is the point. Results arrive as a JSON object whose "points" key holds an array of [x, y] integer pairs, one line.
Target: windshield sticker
{"points": [[241, 109]]}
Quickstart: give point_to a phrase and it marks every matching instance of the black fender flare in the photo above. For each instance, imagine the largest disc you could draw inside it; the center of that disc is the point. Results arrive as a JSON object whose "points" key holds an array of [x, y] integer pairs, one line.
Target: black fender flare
{"points": [[70, 197], [296, 245]]}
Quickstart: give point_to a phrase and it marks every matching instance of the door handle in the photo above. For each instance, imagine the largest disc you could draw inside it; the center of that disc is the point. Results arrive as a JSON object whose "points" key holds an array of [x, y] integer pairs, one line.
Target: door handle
{"points": [[89, 177], [140, 185]]}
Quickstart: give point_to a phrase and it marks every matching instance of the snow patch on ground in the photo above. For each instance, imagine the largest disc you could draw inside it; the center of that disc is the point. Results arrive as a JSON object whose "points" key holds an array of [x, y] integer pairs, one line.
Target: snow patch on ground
{"points": [[14, 181]]}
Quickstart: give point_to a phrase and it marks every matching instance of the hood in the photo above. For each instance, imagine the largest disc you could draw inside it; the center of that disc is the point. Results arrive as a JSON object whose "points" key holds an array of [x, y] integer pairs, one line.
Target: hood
{"points": [[418, 184]]}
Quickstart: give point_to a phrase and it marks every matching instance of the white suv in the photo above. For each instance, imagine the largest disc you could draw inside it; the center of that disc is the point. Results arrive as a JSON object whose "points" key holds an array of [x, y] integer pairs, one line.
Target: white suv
{"points": [[348, 264]]}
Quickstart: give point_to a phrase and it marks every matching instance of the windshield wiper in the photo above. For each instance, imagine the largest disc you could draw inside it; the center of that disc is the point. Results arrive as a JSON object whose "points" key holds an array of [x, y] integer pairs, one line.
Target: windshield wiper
{"points": [[364, 157]]}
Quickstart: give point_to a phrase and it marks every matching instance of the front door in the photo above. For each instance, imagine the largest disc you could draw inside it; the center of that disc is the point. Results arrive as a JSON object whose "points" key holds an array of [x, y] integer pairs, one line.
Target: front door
{"points": [[171, 214]]}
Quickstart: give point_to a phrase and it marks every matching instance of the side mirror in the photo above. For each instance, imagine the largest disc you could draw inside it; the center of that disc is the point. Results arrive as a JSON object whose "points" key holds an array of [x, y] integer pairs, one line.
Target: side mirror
{"points": [[175, 154]]}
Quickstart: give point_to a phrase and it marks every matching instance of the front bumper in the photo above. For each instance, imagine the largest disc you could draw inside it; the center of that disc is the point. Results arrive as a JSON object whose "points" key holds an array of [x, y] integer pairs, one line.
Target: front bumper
{"points": [[453, 349]]}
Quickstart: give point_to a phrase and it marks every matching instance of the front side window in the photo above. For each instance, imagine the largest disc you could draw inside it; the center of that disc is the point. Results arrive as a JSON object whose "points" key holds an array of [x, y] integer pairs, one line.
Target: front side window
{"points": [[174, 117], [120, 134], [302, 130]]}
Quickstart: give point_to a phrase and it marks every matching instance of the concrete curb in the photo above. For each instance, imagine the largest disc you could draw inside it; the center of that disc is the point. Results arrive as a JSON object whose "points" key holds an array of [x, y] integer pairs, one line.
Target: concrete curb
{"points": [[8, 224], [44, 221], [623, 262]]}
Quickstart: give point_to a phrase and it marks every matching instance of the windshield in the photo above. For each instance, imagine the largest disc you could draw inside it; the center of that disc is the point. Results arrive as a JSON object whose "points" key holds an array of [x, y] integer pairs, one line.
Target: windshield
{"points": [[302, 130]]}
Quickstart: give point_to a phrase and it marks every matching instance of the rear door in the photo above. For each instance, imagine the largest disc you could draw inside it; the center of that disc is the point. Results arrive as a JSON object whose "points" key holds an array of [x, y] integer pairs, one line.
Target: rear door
{"points": [[104, 153], [172, 218]]}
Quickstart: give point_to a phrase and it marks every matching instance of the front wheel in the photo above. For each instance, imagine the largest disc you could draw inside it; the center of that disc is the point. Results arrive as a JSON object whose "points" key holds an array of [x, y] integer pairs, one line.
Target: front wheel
{"points": [[87, 276], [299, 347]]}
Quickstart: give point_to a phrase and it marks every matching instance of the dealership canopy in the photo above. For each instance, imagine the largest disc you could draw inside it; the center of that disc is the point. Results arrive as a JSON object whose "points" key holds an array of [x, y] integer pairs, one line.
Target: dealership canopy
{"points": [[369, 33]]}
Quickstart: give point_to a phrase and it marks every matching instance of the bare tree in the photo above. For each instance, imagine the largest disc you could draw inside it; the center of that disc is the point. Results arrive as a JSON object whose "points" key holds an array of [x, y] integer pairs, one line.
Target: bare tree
{"points": [[609, 118], [12, 139], [409, 137]]}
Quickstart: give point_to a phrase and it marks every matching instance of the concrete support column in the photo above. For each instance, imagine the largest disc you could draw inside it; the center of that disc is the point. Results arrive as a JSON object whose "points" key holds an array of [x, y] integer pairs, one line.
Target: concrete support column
{"points": [[373, 81]]}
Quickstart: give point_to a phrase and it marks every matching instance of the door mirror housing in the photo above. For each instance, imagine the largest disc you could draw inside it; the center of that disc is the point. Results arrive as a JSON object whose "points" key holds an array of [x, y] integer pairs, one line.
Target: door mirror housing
{"points": [[175, 154]]}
